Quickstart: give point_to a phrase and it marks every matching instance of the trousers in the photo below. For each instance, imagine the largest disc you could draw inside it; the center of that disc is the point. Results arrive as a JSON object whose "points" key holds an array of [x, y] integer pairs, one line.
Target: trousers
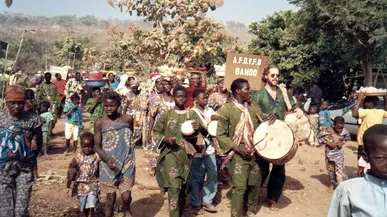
{"points": [[201, 166], [276, 179], [246, 184]]}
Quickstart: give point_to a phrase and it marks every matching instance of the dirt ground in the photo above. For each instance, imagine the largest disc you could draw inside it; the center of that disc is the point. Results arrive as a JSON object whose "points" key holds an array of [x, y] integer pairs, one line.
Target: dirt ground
{"points": [[305, 192]]}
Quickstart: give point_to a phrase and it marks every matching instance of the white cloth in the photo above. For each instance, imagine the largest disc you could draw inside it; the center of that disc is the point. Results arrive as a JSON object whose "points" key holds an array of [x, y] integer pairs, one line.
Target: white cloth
{"points": [[122, 89], [71, 131], [205, 116]]}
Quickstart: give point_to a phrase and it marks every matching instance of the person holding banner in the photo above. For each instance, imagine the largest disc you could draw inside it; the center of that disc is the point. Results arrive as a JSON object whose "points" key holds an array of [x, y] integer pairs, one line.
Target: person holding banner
{"points": [[237, 122], [272, 100]]}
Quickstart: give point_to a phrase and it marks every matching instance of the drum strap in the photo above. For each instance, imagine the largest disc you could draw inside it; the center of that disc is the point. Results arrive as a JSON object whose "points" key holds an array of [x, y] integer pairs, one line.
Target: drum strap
{"points": [[286, 97]]}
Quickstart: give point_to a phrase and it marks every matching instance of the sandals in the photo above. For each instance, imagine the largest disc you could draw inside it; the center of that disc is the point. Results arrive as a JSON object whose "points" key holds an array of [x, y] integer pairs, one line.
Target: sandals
{"points": [[197, 210]]}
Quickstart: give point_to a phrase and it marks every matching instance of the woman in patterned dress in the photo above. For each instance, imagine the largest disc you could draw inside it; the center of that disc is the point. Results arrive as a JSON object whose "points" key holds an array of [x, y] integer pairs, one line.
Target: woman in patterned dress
{"points": [[157, 107]]}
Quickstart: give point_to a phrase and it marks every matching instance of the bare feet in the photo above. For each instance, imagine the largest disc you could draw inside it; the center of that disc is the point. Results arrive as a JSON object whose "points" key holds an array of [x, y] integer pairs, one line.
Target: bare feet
{"points": [[272, 205], [209, 208], [153, 172], [331, 188]]}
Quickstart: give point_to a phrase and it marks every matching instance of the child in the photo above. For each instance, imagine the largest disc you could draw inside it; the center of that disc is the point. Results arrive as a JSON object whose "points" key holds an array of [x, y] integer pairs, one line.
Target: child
{"points": [[334, 139], [74, 122], [83, 171], [314, 123], [30, 101], [324, 115], [48, 124], [114, 144], [365, 196], [204, 164], [369, 116], [95, 107]]}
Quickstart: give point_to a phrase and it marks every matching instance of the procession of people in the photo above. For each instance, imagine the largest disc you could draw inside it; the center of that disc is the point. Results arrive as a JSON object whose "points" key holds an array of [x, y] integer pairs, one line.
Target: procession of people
{"points": [[197, 139]]}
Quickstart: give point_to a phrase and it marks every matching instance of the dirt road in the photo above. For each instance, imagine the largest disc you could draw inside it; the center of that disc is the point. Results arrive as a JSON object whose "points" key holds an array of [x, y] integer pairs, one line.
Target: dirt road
{"points": [[305, 191]]}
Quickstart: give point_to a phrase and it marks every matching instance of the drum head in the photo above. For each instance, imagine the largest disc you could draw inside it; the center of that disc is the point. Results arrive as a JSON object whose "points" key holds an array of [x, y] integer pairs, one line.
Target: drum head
{"points": [[187, 129], [278, 140], [212, 126], [300, 126]]}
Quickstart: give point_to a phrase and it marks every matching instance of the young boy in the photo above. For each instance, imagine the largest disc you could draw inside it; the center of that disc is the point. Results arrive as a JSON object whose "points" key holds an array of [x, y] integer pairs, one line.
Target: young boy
{"points": [[314, 123], [365, 196], [48, 124], [115, 145], [95, 107], [334, 138], [205, 162], [83, 171], [74, 122], [369, 116], [173, 165], [324, 115]]}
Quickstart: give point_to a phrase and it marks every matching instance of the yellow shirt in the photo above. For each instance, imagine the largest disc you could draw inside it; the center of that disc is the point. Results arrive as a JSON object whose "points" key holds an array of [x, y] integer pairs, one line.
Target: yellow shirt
{"points": [[369, 117]]}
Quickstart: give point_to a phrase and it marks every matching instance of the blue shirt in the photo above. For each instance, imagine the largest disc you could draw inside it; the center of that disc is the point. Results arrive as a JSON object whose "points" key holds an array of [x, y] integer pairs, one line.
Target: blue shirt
{"points": [[325, 118], [360, 197], [75, 117]]}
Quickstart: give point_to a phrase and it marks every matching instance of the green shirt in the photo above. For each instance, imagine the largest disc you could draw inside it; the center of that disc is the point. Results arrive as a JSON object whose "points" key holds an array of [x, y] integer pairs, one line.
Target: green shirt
{"points": [[269, 105], [47, 92], [229, 116], [98, 111], [173, 165]]}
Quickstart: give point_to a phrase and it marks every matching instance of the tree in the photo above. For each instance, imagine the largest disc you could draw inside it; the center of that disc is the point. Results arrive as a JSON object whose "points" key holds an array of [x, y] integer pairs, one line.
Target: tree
{"points": [[181, 34], [276, 37], [362, 23], [69, 50], [285, 38]]}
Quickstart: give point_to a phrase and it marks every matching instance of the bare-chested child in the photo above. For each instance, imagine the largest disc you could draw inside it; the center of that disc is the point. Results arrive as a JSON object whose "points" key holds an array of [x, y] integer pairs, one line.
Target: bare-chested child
{"points": [[114, 144]]}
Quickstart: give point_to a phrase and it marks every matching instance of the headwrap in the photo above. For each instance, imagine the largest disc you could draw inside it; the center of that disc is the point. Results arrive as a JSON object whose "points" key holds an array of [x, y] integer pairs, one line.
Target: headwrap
{"points": [[14, 93], [115, 83], [122, 89]]}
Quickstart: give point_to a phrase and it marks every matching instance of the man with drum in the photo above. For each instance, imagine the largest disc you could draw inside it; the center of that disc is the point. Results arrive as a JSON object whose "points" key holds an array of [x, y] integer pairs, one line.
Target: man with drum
{"points": [[237, 122], [272, 100]]}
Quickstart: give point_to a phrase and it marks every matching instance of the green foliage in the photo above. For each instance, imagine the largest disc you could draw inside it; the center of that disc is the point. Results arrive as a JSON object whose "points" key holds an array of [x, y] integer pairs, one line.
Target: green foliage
{"points": [[286, 38], [69, 50], [362, 24], [181, 36]]}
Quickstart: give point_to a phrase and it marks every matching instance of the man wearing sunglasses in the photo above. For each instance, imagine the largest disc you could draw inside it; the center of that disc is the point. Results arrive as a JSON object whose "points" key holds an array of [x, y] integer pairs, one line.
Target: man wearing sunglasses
{"points": [[271, 100]]}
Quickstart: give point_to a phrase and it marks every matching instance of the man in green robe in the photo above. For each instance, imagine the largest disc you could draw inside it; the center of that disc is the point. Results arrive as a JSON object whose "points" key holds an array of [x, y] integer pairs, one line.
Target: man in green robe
{"points": [[237, 122], [271, 100], [47, 91], [173, 165]]}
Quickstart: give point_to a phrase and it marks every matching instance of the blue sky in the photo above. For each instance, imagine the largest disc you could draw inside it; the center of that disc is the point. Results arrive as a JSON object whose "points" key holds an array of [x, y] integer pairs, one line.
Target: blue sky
{"points": [[245, 11]]}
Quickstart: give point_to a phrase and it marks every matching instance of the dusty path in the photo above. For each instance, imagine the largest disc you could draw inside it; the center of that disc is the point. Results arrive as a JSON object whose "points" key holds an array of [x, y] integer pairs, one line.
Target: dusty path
{"points": [[305, 191]]}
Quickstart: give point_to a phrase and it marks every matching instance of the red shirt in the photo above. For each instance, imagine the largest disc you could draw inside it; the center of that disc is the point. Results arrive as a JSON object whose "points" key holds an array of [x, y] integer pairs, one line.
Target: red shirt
{"points": [[60, 85]]}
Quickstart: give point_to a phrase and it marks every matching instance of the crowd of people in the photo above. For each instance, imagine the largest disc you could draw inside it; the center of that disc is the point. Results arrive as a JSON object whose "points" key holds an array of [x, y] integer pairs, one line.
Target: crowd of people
{"points": [[127, 113]]}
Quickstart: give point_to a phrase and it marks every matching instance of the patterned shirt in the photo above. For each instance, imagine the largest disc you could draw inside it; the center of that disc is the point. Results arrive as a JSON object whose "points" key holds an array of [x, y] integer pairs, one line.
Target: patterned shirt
{"points": [[73, 86], [47, 92], [98, 111], [47, 117], [16, 136], [83, 170]]}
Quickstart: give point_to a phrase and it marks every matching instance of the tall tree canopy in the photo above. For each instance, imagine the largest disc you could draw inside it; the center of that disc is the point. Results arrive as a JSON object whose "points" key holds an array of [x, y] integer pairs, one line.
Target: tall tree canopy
{"points": [[362, 24]]}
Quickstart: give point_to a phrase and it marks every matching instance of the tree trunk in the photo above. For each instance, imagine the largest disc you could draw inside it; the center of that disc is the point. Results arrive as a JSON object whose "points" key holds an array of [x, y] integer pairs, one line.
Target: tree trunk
{"points": [[367, 69]]}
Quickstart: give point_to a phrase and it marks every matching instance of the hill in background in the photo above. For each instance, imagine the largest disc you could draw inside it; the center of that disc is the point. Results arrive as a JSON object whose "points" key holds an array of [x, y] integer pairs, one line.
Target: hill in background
{"points": [[90, 31]]}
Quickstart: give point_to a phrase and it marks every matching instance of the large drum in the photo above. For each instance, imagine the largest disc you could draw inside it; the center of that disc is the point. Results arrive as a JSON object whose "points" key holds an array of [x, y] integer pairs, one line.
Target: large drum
{"points": [[275, 142], [300, 126], [187, 129], [212, 127]]}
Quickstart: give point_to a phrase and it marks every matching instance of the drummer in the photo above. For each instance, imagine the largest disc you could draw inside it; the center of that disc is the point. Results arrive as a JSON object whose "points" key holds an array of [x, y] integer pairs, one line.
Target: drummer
{"points": [[237, 122], [203, 163], [272, 101], [173, 165]]}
